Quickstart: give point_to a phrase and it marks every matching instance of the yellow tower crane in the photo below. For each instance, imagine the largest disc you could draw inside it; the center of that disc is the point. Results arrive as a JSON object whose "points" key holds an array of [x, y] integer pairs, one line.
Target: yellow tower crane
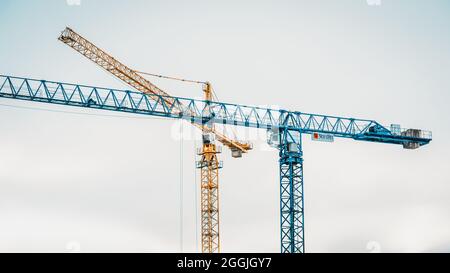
{"points": [[208, 164]]}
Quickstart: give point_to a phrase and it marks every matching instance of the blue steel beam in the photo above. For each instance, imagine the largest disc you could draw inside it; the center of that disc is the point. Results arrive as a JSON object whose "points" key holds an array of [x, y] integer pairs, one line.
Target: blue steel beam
{"points": [[292, 216], [193, 110]]}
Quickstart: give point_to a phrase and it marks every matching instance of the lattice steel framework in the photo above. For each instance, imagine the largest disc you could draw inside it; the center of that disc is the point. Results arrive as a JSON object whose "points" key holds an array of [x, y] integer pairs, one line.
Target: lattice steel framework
{"points": [[132, 78], [221, 113], [290, 124], [110, 64], [209, 166], [291, 192]]}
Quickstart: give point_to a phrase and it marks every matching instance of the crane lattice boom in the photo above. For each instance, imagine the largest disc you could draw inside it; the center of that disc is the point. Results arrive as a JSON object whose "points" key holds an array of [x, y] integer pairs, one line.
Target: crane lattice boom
{"points": [[132, 78], [224, 113]]}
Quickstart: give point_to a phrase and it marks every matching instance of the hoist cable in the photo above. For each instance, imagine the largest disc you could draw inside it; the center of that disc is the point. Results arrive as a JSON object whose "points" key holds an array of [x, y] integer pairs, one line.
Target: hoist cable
{"points": [[170, 78]]}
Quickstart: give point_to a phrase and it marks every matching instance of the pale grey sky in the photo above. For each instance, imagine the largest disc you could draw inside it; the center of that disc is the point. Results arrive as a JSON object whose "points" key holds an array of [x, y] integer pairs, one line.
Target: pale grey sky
{"points": [[101, 183]]}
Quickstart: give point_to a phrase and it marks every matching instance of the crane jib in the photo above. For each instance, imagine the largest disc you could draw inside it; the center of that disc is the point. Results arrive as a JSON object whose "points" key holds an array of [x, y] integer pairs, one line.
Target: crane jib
{"points": [[222, 113]]}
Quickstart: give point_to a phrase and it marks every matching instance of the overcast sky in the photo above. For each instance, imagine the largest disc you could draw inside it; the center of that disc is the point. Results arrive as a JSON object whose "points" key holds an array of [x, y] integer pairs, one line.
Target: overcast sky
{"points": [[83, 181]]}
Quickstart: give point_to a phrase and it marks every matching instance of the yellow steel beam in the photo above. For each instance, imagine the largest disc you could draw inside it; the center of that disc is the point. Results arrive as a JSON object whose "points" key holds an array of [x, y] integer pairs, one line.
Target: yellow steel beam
{"points": [[209, 166]]}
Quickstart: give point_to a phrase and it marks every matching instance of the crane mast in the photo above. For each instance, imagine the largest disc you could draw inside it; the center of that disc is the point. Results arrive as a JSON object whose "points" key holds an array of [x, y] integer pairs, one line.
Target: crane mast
{"points": [[209, 164]]}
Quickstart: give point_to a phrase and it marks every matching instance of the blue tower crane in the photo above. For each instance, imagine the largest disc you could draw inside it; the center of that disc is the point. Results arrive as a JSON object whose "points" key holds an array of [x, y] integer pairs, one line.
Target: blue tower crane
{"points": [[286, 129]]}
